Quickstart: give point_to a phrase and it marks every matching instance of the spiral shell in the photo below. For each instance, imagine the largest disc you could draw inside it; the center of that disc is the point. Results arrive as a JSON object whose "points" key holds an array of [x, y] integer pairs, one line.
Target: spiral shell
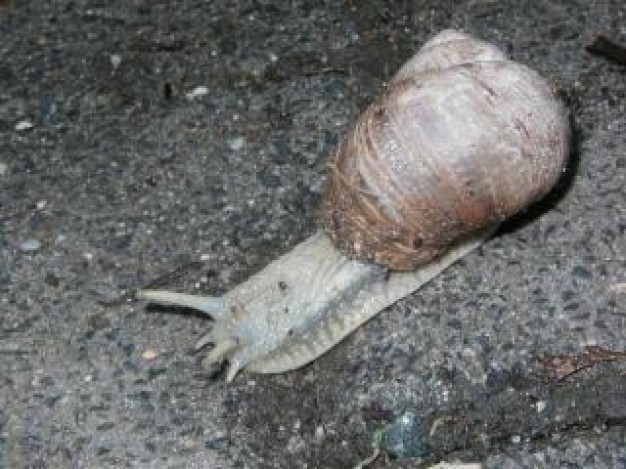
{"points": [[462, 139]]}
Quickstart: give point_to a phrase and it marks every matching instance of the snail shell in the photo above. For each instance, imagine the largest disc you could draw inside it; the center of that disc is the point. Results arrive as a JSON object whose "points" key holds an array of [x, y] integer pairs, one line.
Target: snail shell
{"points": [[462, 140]]}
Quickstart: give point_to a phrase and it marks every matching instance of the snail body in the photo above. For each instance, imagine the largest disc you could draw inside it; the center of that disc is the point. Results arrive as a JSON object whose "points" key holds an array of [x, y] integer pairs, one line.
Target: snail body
{"points": [[462, 139]]}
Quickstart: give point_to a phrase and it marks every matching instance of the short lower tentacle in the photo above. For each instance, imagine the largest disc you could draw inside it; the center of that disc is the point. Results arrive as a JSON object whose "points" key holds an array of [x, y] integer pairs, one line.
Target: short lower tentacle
{"points": [[219, 352]]}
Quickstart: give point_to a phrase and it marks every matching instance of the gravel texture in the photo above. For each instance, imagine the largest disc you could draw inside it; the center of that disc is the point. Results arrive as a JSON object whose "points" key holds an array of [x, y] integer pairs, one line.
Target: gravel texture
{"points": [[117, 167]]}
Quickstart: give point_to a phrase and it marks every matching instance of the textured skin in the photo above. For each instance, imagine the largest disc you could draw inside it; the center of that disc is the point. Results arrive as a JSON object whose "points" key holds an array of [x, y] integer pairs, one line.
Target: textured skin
{"points": [[303, 303], [462, 139]]}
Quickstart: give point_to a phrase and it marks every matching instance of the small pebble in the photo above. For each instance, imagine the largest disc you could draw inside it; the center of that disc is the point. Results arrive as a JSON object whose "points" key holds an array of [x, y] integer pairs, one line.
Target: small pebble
{"points": [[197, 92], [149, 354], [23, 125], [618, 287], [237, 143], [30, 245], [116, 60], [403, 437]]}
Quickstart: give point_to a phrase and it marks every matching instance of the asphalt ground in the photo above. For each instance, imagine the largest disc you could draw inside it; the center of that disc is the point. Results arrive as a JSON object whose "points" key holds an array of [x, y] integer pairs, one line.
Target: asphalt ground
{"points": [[115, 173]]}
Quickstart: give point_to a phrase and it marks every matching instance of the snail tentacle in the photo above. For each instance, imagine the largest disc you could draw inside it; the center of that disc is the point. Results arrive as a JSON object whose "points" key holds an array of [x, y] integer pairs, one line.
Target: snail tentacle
{"points": [[219, 351], [211, 305]]}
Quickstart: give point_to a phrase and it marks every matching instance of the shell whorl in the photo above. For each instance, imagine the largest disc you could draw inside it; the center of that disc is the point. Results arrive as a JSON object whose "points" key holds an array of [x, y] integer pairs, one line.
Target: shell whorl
{"points": [[462, 139]]}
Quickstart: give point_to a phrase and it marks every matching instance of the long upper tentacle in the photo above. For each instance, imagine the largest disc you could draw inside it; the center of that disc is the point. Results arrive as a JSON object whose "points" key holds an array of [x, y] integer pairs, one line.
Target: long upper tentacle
{"points": [[214, 306]]}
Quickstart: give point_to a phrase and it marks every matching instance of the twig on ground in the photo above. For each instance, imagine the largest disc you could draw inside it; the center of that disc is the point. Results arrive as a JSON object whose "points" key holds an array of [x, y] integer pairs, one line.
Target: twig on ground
{"points": [[559, 367], [604, 47]]}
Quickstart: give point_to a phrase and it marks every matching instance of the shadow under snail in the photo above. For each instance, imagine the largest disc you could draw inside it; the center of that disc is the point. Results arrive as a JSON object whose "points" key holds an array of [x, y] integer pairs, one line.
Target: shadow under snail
{"points": [[462, 139]]}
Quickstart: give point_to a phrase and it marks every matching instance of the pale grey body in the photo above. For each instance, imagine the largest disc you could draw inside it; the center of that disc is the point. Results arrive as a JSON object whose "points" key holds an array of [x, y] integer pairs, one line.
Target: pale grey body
{"points": [[302, 304]]}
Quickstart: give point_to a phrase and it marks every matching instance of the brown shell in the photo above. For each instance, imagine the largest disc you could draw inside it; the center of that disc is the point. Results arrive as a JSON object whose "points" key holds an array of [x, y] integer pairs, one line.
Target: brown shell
{"points": [[462, 139]]}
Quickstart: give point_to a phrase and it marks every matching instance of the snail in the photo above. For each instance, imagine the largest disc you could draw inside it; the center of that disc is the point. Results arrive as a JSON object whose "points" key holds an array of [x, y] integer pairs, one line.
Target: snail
{"points": [[462, 139]]}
